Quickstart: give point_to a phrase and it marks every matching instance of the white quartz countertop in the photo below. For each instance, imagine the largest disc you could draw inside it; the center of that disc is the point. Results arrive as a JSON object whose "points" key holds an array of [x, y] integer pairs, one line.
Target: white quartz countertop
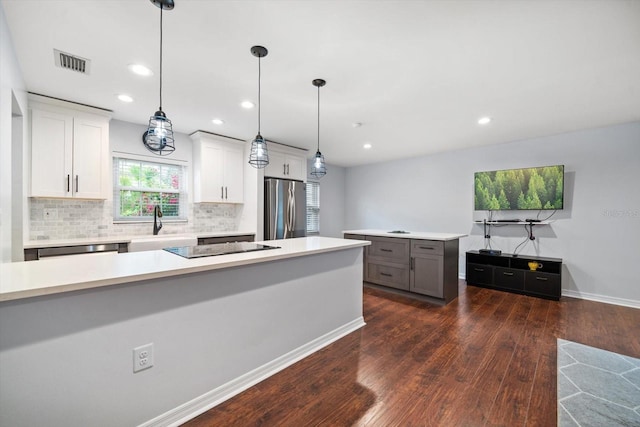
{"points": [[36, 244], [410, 235], [75, 272]]}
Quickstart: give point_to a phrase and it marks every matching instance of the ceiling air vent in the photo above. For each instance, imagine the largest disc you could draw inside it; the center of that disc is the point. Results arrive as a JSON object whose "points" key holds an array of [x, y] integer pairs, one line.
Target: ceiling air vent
{"points": [[71, 62]]}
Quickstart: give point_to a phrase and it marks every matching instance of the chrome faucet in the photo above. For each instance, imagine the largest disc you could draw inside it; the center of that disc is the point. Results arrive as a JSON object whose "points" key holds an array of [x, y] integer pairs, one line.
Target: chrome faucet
{"points": [[157, 223]]}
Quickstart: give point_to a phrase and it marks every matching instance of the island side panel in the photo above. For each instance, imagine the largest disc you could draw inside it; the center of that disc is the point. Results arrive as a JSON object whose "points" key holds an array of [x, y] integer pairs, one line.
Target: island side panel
{"points": [[67, 359]]}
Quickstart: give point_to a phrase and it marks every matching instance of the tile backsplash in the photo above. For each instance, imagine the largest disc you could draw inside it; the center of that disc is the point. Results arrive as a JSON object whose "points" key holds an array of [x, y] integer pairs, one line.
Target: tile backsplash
{"points": [[52, 219]]}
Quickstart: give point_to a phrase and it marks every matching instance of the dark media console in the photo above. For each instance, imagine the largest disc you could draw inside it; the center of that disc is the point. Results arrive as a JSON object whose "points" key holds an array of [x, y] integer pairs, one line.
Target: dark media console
{"points": [[513, 274]]}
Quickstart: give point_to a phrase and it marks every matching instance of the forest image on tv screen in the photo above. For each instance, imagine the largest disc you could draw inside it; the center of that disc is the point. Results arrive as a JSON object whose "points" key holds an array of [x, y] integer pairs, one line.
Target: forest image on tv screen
{"points": [[521, 189]]}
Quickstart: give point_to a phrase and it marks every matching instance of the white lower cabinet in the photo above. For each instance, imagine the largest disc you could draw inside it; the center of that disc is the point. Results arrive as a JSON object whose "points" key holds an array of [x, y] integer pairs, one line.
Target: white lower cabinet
{"points": [[218, 169], [69, 152]]}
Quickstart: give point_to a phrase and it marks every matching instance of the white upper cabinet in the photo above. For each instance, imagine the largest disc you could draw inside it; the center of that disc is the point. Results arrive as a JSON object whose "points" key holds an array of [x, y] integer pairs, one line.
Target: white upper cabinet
{"points": [[287, 163], [69, 151], [218, 169]]}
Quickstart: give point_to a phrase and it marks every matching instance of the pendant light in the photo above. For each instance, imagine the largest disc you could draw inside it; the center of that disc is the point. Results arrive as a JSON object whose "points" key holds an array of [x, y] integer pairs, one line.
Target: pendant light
{"points": [[159, 136], [318, 170], [259, 156]]}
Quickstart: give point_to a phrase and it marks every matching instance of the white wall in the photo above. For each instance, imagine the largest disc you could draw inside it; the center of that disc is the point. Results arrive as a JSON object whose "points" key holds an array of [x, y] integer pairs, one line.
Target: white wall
{"points": [[332, 198], [13, 101], [597, 234]]}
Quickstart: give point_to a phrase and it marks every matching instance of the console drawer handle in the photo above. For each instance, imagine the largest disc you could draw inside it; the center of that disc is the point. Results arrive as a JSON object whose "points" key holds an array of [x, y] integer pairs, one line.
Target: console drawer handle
{"points": [[479, 269], [386, 275], [427, 247], [506, 273], [385, 250], [544, 279]]}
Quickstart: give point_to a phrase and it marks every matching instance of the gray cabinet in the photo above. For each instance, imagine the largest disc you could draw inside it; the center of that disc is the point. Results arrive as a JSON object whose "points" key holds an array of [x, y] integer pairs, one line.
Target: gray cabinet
{"points": [[387, 262], [426, 267], [427, 275]]}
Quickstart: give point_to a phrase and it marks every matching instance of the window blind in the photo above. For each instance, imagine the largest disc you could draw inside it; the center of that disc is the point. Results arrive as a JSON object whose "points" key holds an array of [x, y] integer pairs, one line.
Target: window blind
{"points": [[313, 207]]}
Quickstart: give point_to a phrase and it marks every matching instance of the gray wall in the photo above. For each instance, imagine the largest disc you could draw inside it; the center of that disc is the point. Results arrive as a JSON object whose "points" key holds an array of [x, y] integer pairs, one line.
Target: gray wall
{"points": [[13, 102], [597, 234], [66, 359], [332, 197]]}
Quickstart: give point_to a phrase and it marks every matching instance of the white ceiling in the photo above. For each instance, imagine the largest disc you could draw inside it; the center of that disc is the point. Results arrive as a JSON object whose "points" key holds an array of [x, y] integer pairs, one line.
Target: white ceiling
{"points": [[417, 74]]}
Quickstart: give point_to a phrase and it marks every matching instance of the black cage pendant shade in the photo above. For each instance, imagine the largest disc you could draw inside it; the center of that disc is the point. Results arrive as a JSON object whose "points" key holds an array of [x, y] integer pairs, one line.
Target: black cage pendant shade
{"points": [[259, 155], [319, 169], [159, 135]]}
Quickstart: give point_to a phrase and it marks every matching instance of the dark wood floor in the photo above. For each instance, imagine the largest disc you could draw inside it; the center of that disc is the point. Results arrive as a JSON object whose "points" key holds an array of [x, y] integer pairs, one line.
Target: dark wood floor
{"points": [[488, 358]]}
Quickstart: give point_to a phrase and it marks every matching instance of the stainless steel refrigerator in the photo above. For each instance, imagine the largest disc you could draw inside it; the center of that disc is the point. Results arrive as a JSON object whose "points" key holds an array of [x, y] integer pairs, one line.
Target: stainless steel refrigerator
{"points": [[285, 209]]}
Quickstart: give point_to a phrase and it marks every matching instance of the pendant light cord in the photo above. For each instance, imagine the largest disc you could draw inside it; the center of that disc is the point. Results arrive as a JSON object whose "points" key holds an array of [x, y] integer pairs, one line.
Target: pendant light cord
{"points": [[160, 58], [259, 103], [318, 118]]}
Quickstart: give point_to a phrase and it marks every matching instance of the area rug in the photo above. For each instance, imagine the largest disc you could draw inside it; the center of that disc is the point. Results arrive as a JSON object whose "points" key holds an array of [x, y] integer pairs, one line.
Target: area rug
{"points": [[597, 387]]}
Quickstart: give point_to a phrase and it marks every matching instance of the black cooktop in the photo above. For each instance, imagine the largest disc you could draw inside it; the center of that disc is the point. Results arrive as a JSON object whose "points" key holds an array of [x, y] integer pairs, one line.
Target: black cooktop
{"points": [[218, 249]]}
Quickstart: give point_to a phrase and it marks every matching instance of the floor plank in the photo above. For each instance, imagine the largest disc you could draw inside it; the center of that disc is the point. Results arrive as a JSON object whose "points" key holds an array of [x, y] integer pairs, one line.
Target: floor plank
{"points": [[486, 359]]}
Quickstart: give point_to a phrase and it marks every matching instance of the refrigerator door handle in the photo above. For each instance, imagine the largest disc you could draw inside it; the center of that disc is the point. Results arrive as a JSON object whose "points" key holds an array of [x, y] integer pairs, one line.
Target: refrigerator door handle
{"points": [[291, 212]]}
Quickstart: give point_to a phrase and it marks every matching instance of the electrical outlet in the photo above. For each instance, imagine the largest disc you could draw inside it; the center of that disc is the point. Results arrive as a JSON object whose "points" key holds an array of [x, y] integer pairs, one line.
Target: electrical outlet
{"points": [[142, 357], [50, 214]]}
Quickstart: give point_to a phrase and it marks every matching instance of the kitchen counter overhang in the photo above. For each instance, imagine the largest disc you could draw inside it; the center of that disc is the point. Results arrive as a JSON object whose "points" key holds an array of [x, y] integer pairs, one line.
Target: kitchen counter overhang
{"points": [[71, 273], [217, 325]]}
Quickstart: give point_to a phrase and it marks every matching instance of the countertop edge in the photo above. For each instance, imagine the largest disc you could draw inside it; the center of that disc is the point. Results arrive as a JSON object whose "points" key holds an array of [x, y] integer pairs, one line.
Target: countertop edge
{"points": [[418, 235], [180, 266], [38, 244]]}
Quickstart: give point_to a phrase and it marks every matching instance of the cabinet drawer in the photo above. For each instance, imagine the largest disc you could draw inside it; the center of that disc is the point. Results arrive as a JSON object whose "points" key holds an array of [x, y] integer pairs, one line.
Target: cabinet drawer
{"points": [[427, 247], [543, 284], [479, 274], [508, 278], [389, 249], [395, 276]]}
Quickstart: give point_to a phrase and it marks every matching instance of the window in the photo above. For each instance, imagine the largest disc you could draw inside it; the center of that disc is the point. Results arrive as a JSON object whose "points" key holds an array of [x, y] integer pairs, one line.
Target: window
{"points": [[140, 185], [313, 207]]}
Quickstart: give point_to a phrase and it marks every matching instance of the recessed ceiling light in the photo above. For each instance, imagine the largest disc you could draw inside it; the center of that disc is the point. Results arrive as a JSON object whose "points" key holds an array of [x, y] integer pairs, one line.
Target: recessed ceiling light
{"points": [[484, 120], [367, 146], [125, 98], [217, 121], [247, 104], [356, 124], [140, 70]]}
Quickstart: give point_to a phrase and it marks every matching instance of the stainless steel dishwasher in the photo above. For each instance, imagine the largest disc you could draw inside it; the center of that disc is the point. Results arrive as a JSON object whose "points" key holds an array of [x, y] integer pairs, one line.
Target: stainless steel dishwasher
{"points": [[58, 251]]}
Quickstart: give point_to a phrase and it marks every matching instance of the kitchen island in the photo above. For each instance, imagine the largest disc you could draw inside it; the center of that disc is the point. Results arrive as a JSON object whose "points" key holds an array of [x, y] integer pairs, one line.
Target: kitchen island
{"points": [[217, 325], [414, 263]]}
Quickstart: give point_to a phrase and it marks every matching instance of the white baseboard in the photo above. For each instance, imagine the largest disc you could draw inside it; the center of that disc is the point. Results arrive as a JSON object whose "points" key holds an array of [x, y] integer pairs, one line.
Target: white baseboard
{"points": [[601, 298], [203, 403]]}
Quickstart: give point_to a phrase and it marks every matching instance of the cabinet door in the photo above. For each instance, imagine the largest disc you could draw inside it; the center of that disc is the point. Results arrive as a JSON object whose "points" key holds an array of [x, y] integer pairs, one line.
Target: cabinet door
{"points": [[276, 167], [296, 167], [210, 177], [90, 158], [427, 275], [234, 174], [479, 274], [51, 154]]}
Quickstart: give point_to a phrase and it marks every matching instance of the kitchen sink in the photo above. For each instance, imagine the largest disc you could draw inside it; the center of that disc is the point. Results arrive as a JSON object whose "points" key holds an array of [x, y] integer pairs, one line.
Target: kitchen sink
{"points": [[150, 243]]}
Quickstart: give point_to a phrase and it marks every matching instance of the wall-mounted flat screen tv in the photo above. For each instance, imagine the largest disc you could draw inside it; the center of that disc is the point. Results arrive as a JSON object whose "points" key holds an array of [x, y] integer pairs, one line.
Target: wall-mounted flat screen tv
{"points": [[540, 188]]}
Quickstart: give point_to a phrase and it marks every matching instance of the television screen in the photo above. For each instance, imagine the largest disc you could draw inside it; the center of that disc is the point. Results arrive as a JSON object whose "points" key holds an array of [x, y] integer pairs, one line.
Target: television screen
{"points": [[539, 188]]}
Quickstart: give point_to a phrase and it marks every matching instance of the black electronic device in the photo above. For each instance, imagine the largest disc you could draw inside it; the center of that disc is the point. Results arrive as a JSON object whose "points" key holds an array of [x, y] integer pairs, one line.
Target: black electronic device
{"points": [[532, 220], [506, 220], [490, 251]]}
